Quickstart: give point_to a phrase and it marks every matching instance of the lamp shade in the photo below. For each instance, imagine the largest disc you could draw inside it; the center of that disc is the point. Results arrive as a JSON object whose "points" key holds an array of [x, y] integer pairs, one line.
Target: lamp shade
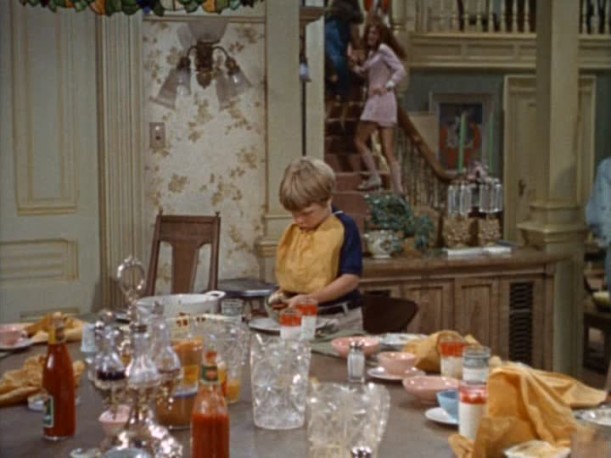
{"points": [[224, 90], [167, 93]]}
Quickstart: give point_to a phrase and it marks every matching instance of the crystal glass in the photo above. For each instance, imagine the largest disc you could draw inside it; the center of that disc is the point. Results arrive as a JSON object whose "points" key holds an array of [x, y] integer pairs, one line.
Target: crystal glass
{"points": [[109, 368], [230, 339], [341, 417], [141, 371], [279, 381]]}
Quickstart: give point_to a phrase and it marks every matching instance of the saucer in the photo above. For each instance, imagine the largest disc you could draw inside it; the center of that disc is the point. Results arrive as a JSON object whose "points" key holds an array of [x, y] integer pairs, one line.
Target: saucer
{"points": [[381, 374], [19, 345], [438, 415]]}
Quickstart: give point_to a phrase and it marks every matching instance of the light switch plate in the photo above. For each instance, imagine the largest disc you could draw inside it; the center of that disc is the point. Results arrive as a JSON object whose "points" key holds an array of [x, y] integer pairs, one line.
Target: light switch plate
{"points": [[157, 135]]}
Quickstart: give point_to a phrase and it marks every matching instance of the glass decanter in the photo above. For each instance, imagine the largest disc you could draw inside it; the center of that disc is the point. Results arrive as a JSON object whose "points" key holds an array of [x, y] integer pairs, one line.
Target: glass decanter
{"points": [[110, 373]]}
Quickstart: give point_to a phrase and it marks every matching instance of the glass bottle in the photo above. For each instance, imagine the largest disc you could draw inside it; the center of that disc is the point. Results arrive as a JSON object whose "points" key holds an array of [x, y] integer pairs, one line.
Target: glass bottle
{"points": [[356, 362], [210, 419], [165, 358], [142, 374], [109, 368], [59, 419], [190, 353]]}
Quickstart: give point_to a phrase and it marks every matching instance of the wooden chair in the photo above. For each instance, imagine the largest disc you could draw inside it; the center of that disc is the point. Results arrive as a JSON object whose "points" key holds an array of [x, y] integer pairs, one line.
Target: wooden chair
{"points": [[186, 235], [387, 314]]}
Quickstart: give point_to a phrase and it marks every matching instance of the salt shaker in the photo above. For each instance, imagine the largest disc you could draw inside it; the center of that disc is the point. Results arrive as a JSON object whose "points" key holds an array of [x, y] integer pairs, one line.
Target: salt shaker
{"points": [[356, 362], [361, 451]]}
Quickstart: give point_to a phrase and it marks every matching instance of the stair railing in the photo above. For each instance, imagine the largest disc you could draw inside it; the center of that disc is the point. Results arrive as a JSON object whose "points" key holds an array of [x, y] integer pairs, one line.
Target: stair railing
{"points": [[425, 180]]}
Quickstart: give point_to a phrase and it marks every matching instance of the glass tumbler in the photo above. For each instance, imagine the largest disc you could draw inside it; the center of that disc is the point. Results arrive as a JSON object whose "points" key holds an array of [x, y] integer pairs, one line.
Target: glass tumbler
{"points": [[279, 381], [475, 364], [450, 349], [344, 416]]}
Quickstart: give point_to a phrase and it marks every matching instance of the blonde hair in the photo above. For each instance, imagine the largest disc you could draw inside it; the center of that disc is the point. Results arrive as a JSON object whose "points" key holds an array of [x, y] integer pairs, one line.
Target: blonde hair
{"points": [[306, 181]]}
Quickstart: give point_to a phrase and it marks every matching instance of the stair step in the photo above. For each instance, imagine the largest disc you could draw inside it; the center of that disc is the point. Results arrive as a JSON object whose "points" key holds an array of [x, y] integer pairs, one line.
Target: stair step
{"points": [[351, 202], [347, 128], [348, 162], [348, 181], [335, 109], [338, 144]]}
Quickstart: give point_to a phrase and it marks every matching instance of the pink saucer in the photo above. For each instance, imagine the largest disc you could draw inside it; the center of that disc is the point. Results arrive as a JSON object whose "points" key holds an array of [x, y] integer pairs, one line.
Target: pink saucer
{"points": [[342, 344]]}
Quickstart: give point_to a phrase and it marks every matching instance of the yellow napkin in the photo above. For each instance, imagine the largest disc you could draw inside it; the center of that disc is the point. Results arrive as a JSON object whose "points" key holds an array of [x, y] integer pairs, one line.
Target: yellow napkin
{"points": [[39, 332], [428, 355], [526, 404]]}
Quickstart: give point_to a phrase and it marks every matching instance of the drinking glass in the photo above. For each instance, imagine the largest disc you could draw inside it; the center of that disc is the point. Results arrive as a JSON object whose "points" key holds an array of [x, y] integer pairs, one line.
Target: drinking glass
{"points": [[279, 381], [450, 349], [233, 308], [342, 416], [230, 339]]}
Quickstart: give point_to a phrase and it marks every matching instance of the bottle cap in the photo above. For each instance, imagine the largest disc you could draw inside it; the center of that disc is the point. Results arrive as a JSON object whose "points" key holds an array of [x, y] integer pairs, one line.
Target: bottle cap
{"points": [[356, 344], [361, 451]]}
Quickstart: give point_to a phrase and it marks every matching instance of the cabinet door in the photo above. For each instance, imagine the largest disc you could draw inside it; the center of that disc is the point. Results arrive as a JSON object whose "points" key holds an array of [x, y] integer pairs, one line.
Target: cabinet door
{"points": [[476, 309], [524, 324], [434, 300]]}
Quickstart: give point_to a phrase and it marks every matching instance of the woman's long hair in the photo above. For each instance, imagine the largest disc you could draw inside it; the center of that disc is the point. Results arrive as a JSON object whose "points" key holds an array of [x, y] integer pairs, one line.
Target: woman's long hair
{"points": [[386, 37]]}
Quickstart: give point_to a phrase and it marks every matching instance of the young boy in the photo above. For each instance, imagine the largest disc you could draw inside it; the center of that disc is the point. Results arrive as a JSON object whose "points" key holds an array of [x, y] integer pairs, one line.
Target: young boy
{"points": [[319, 254]]}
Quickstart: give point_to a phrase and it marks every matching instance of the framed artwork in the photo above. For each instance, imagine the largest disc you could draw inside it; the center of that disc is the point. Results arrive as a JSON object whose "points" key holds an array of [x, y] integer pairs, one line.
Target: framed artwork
{"points": [[448, 110]]}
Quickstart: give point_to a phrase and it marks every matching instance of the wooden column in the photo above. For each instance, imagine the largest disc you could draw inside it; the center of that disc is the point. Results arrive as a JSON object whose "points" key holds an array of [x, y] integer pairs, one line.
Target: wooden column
{"points": [[556, 224]]}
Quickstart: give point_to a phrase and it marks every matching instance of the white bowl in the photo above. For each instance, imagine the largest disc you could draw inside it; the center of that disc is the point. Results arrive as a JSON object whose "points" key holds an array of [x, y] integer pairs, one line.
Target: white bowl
{"points": [[176, 304]]}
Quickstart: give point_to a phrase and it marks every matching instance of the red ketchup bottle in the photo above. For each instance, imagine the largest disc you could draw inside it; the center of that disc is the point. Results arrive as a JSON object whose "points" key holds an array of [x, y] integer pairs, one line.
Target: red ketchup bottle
{"points": [[59, 419]]}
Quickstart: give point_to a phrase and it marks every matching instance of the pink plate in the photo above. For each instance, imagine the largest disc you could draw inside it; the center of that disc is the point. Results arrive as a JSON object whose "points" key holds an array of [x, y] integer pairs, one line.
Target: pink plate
{"points": [[425, 387], [342, 344]]}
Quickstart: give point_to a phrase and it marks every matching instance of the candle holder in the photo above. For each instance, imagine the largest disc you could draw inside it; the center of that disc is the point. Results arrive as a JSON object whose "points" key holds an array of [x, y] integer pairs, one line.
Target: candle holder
{"points": [[490, 203], [457, 226], [150, 374]]}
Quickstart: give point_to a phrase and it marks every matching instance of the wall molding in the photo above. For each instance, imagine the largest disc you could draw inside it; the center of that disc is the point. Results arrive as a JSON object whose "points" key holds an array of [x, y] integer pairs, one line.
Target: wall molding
{"points": [[30, 161], [40, 261], [519, 97], [461, 51]]}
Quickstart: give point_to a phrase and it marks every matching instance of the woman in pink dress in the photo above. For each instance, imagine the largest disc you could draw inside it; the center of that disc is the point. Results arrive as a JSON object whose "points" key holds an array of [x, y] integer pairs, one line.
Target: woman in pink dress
{"points": [[384, 71]]}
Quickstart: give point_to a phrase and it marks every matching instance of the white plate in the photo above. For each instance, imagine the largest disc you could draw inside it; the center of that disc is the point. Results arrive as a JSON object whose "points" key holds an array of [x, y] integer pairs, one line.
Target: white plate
{"points": [[438, 415], [381, 374], [20, 344], [399, 339], [271, 325]]}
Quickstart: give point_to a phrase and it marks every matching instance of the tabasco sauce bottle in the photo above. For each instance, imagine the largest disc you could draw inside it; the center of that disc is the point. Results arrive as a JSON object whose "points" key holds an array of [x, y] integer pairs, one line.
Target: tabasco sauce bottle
{"points": [[59, 419], [210, 419]]}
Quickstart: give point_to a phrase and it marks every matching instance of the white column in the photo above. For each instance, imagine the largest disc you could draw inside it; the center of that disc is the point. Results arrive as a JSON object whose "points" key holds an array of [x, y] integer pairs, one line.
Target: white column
{"points": [[283, 117], [121, 141], [556, 224]]}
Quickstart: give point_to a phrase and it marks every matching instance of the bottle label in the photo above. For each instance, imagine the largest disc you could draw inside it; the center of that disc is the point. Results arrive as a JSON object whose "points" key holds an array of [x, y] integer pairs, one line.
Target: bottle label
{"points": [[210, 373], [48, 417]]}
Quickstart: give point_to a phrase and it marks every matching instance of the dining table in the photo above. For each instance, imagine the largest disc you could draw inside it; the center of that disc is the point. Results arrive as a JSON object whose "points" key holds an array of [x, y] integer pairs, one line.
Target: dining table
{"points": [[408, 431]]}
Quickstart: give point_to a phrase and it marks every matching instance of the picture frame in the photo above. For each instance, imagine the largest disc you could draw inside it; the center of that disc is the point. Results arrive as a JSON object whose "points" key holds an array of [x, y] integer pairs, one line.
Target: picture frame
{"points": [[448, 109]]}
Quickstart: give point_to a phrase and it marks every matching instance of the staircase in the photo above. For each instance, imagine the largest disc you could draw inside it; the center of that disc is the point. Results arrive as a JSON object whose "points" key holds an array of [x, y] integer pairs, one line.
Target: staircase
{"points": [[424, 179]]}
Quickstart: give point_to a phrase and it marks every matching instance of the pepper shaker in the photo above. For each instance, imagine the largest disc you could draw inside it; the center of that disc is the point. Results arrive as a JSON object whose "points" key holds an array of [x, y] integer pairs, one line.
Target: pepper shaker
{"points": [[356, 362]]}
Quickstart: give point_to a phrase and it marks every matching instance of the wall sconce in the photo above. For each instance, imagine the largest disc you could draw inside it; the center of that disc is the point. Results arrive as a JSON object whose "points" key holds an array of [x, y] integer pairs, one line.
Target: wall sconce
{"points": [[212, 63]]}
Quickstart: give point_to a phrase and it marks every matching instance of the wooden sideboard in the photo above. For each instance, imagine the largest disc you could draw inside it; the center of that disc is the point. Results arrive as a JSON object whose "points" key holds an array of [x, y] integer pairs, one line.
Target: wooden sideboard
{"points": [[504, 301]]}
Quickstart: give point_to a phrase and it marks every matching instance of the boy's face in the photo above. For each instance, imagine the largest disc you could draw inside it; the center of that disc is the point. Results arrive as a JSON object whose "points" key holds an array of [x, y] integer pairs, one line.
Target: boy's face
{"points": [[310, 217]]}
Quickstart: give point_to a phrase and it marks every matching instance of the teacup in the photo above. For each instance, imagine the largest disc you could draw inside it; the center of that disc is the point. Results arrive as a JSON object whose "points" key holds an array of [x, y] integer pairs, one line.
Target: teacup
{"points": [[10, 334], [448, 401]]}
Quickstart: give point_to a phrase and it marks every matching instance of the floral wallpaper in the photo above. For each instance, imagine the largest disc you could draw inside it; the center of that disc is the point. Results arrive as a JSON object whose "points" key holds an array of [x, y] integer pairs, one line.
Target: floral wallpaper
{"points": [[213, 159]]}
